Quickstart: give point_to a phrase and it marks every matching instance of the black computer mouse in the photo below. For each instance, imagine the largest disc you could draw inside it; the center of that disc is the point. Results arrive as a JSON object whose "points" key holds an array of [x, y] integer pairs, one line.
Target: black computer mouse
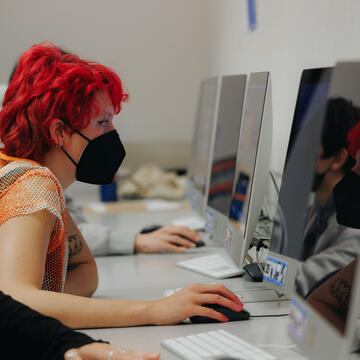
{"points": [[152, 228], [230, 314], [197, 243]]}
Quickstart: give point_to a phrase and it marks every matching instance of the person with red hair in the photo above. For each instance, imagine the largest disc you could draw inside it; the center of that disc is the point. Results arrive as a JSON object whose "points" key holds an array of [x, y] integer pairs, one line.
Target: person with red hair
{"points": [[56, 126]]}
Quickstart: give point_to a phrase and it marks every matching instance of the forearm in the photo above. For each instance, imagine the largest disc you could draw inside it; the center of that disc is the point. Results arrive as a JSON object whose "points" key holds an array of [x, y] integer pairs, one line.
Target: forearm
{"points": [[80, 312], [329, 313], [333, 297], [81, 279], [325, 262], [28, 333]]}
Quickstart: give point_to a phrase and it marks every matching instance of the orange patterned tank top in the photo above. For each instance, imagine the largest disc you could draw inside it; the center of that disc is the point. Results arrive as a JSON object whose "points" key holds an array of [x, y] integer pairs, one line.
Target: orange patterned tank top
{"points": [[25, 188]]}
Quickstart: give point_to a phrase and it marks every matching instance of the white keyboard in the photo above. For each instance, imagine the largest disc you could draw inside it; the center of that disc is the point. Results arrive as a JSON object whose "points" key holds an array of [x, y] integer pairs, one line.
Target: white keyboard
{"points": [[213, 344], [194, 222], [215, 266]]}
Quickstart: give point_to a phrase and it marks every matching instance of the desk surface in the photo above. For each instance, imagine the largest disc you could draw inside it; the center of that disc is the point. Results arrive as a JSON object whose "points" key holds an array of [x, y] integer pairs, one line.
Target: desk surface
{"points": [[126, 206], [147, 276]]}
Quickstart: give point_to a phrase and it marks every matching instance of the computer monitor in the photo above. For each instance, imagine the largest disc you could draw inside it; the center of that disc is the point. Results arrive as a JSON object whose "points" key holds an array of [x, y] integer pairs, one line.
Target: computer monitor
{"points": [[314, 331], [232, 91], [252, 167], [313, 82], [202, 146], [287, 236]]}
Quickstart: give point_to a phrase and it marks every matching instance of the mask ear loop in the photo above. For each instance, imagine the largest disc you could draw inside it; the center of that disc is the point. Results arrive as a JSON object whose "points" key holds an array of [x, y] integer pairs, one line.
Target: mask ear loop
{"points": [[70, 158], [61, 144]]}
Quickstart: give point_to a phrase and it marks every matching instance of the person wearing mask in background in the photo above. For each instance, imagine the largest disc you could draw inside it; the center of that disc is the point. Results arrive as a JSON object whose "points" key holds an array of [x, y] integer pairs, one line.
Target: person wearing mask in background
{"points": [[332, 297], [103, 240], [56, 126], [329, 246]]}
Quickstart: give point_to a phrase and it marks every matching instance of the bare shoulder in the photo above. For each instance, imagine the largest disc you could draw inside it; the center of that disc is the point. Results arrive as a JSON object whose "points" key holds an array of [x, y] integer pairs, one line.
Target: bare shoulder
{"points": [[39, 221]]}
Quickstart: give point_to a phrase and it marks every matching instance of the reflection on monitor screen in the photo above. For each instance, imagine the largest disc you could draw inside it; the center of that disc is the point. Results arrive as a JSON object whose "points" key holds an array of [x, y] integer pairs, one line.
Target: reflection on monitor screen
{"points": [[311, 246], [313, 90], [252, 167], [202, 144], [203, 141], [287, 236], [248, 145], [226, 142], [224, 157]]}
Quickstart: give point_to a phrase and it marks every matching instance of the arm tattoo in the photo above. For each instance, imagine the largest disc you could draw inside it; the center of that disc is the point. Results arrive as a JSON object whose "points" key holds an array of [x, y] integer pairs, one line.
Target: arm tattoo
{"points": [[341, 291], [75, 245]]}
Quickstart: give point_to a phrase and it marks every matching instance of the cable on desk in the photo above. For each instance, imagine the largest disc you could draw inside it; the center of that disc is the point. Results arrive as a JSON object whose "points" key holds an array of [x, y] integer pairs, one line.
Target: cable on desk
{"points": [[271, 315]]}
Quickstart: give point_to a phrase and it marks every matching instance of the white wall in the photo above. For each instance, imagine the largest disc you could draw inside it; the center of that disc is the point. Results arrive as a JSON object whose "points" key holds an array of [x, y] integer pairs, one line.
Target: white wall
{"points": [[291, 35], [160, 48]]}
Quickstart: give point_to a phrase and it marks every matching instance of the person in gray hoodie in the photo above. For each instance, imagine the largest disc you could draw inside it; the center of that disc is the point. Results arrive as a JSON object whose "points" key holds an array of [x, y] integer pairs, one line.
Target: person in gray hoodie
{"points": [[329, 246]]}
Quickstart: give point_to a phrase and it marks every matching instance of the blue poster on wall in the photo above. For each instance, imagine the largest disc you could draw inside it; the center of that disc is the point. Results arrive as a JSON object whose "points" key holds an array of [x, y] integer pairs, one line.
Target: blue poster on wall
{"points": [[252, 14]]}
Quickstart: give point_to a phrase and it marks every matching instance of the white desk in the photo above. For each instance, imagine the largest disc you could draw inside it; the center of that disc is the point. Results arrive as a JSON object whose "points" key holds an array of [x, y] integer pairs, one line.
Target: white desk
{"points": [[147, 276]]}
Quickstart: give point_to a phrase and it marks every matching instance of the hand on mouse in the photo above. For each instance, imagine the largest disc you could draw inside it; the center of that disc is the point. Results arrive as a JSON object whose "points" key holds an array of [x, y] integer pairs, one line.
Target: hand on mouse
{"points": [[188, 302], [167, 238]]}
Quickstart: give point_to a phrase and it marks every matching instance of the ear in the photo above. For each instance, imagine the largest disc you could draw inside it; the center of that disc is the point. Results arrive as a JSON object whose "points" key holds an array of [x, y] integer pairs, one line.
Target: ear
{"points": [[57, 131], [339, 159]]}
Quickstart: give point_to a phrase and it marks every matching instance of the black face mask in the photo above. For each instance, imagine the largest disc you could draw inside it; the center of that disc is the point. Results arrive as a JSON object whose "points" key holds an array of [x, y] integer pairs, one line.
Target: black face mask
{"points": [[347, 200], [100, 159]]}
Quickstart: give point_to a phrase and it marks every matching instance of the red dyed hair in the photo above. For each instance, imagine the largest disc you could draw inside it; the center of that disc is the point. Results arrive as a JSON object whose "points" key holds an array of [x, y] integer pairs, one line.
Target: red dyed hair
{"points": [[50, 84], [354, 140]]}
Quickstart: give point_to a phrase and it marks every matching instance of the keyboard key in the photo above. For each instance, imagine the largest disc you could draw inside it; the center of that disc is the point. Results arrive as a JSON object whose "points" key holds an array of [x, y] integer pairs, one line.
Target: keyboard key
{"points": [[214, 344], [193, 347], [212, 349], [180, 350]]}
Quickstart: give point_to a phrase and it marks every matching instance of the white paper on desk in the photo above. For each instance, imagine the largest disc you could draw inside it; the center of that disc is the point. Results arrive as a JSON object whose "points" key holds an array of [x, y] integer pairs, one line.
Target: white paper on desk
{"points": [[156, 205], [97, 207]]}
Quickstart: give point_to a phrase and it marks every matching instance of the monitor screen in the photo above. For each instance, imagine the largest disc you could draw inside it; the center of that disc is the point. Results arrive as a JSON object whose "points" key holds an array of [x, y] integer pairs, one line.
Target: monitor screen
{"points": [[202, 141], [329, 317], [310, 251], [252, 167], [313, 89], [229, 114], [247, 152], [294, 194]]}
